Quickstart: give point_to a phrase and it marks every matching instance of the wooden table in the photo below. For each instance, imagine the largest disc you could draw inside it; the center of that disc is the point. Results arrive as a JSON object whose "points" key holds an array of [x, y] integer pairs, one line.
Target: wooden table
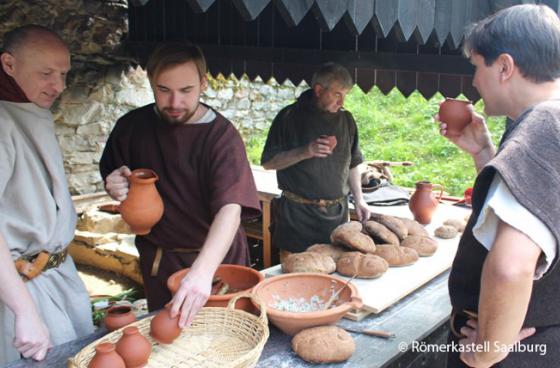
{"points": [[421, 316]]}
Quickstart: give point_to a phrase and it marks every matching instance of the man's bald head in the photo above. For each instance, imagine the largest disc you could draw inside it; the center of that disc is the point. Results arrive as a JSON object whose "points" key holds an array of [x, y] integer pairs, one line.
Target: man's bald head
{"points": [[38, 60]]}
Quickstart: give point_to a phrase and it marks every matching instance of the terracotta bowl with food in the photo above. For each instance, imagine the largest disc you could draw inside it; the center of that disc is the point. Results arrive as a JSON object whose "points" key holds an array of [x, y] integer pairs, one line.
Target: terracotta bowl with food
{"points": [[296, 301], [229, 281]]}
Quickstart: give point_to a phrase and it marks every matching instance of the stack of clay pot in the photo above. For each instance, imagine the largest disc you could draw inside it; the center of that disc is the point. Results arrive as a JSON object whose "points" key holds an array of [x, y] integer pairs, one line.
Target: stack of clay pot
{"points": [[367, 250]]}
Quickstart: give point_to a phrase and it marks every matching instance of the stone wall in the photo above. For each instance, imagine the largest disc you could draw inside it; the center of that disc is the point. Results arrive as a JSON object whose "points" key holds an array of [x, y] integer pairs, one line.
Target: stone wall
{"points": [[103, 84]]}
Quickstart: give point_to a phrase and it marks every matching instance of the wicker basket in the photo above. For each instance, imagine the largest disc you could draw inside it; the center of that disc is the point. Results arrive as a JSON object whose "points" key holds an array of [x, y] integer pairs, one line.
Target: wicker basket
{"points": [[218, 337]]}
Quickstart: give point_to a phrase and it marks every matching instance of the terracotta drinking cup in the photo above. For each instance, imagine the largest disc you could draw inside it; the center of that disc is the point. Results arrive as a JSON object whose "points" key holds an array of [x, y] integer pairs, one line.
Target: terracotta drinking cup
{"points": [[332, 140], [457, 114], [118, 316]]}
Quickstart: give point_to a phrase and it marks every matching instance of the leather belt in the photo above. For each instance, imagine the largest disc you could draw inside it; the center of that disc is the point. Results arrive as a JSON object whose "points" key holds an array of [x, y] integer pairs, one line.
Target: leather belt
{"points": [[30, 267], [159, 254], [316, 202]]}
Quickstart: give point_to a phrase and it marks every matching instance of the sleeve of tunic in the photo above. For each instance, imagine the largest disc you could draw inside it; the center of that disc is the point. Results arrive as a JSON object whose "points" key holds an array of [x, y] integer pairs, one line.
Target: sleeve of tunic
{"points": [[232, 180], [275, 141], [113, 155], [356, 155], [7, 158]]}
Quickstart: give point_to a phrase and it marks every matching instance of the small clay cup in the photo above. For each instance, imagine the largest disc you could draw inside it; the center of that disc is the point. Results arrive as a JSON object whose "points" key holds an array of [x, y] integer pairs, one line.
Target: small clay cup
{"points": [[106, 357], [134, 348], [118, 316], [457, 114], [332, 140], [163, 328]]}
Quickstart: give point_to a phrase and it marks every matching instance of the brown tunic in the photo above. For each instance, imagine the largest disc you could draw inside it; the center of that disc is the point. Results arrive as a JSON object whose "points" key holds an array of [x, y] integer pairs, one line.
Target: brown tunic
{"points": [[201, 168]]}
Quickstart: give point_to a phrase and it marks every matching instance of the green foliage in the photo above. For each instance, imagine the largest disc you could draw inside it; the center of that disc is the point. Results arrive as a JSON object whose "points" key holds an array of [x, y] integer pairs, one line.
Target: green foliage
{"points": [[395, 128]]}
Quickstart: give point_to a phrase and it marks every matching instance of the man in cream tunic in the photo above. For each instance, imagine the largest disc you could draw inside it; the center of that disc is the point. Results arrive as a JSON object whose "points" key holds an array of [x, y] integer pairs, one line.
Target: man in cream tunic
{"points": [[36, 211]]}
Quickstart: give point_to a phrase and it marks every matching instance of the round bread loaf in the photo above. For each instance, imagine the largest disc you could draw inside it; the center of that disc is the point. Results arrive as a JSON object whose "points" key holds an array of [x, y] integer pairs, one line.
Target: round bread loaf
{"points": [[458, 224], [414, 227], [380, 233], [395, 255], [392, 223], [350, 235], [446, 232], [323, 344], [308, 262], [332, 250], [423, 245], [365, 266]]}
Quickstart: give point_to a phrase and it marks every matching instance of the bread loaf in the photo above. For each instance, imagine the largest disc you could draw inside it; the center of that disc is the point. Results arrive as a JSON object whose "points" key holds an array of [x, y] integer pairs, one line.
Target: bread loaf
{"points": [[446, 232], [365, 266], [380, 233], [395, 255], [392, 223], [414, 227], [350, 235], [423, 245], [458, 224], [308, 262], [332, 250], [323, 344]]}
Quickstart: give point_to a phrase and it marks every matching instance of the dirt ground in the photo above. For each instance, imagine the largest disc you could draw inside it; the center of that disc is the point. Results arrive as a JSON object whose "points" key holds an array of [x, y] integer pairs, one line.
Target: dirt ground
{"points": [[99, 282]]}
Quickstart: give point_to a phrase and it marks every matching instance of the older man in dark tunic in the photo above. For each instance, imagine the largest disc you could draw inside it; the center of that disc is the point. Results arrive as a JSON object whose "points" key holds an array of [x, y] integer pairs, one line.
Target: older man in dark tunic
{"points": [[315, 177], [205, 180]]}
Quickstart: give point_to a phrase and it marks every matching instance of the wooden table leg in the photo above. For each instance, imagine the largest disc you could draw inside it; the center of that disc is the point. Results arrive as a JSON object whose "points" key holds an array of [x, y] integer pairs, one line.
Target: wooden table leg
{"points": [[267, 241]]}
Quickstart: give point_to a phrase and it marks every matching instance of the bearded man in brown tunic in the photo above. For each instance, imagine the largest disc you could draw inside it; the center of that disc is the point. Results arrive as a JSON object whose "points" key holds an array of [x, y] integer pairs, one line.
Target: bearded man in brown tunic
{"points": [[205, 180], [313, 145]]}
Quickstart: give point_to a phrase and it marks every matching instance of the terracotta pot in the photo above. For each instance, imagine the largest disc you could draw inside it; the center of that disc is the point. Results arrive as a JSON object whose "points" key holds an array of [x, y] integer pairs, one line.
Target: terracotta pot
{"points": [[143, 206], [457, 114], [106, 357], [237, 277], [332, 141], [305, 285], [134, 348], [422, 203], [163, 328], [118, 316]]}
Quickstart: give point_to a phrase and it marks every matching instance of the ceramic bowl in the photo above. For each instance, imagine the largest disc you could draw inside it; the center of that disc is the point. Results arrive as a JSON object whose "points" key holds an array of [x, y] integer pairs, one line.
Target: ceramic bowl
{"points": [[237, 277], [306, 285]]}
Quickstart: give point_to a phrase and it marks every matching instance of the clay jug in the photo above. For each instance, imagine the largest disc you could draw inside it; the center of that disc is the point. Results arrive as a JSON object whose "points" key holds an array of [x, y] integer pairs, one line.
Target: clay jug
{"points": [[163, 328], [118, 316], [143, 206], [332, 140], [457, 114], [423, 203], [134, 348], [106, 357]]}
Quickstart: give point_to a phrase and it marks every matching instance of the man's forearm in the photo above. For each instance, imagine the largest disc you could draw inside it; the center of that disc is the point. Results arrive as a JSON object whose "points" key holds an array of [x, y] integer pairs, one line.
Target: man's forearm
{"points": [[286, 159], [219, 238], [13, 291], [506, 286], [355, 183], [483, 157]]}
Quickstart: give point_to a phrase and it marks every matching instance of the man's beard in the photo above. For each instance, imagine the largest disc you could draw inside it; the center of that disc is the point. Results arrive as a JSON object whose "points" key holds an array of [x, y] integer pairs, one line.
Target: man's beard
{"points": [[188, 114]]}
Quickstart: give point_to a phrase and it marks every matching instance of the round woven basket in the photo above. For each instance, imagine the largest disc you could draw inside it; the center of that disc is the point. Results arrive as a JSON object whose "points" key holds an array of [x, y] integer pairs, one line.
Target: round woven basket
{"points": [[218, 337]]}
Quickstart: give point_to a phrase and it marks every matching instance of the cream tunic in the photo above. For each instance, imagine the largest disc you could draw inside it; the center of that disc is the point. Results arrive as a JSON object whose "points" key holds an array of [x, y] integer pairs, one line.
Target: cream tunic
{"points": [[36, 213]]}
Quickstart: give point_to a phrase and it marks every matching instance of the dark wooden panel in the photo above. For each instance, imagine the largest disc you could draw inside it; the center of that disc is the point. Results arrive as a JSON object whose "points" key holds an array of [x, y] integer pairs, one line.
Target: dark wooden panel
{"points": [[450, 85], [250, 9], [385, 80], [359, 14], [138, 2], [293, 11], [406, 82], [428, 84], [258, 68], [458, 22], [468, 89], [329, 12], [200, 6], [426, 19], [442, 22], [385, 15], [365, 79]]}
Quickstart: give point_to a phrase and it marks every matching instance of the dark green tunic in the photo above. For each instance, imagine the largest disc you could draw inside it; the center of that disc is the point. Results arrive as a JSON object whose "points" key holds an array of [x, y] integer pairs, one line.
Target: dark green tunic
{"points": [[295, 226]]}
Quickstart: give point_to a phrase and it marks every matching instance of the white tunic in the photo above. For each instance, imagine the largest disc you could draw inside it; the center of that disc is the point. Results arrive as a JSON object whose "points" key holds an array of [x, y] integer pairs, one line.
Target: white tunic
{"points": [[36, 213]]}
